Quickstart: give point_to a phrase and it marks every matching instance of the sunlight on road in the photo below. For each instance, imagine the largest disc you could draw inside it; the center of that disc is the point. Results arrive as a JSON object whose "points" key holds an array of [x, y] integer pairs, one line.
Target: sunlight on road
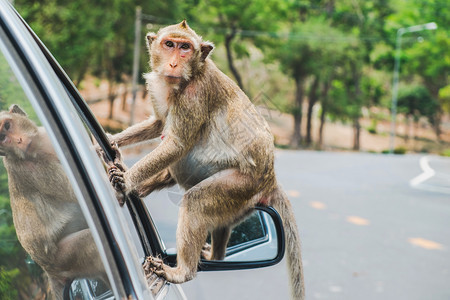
{"points": [[426, 244], [317, 205], [293, 193], [358, 221]]}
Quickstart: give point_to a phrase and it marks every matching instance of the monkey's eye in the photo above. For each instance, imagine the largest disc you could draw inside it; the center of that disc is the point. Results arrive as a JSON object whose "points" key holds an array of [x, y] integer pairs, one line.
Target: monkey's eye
{"points": [[169, 44], [7, 125], [185, 46]]}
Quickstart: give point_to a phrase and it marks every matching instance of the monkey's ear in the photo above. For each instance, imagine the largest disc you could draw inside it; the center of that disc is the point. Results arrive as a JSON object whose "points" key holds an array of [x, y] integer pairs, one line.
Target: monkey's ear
{"points": [[206, 48], [184, 24], [150, 37], [15, 109]]}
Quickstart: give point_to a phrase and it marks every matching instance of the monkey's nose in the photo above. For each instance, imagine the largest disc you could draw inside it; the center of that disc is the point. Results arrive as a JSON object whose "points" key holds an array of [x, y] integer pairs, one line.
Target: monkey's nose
{"points": [[173, 64]]}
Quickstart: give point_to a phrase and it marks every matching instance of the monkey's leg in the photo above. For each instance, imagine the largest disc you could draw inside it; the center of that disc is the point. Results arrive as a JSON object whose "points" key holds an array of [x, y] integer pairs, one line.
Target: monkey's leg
{"points": [[219, 241], [161, 180], [57, 287], [215, 202], [78, 254]]}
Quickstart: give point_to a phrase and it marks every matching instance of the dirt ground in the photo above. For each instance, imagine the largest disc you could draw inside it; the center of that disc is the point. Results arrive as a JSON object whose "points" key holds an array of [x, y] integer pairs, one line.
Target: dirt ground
{"points": [[337, 136]]}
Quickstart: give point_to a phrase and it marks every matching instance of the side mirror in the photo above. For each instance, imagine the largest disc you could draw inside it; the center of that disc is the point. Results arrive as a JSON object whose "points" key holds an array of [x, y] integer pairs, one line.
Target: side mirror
{"points": [[256, 242]]}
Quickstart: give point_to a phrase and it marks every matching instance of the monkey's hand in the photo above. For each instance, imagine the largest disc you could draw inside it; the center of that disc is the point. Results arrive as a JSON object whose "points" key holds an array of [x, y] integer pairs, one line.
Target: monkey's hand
{"points": [[116, 170]]}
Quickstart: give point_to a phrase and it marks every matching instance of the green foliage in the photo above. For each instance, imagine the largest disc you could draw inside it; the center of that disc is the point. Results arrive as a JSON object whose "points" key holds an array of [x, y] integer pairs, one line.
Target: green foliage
{"points": [[7, 289], [10, 90], [416, 101], [341, 41], [397, 150], [90, 36], [444, 98], [400, 150]]}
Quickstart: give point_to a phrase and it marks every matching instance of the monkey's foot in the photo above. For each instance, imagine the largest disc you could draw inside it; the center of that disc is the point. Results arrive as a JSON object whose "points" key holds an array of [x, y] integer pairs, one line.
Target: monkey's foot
{"points": [[153, 265], [206, 251], [156, 266]]}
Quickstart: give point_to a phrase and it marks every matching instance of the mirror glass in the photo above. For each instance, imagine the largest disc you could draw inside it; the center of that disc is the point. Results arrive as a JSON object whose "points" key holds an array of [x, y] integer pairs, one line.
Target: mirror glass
{"points": [[254, 239]]}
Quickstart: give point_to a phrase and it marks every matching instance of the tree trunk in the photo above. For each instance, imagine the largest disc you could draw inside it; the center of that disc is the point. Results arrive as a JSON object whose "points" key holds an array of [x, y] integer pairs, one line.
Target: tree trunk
{"points": [[297, 113], [312, 99], [407, 127], [124, 98], [356, 134], [324, 103], [437, 125], [111, 98], [322, 124], [80, 76], [228, 39], [356, 74]]}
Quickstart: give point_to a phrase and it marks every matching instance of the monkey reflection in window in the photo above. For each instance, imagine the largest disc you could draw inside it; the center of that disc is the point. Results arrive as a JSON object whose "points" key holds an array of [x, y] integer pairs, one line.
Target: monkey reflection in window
{"points": [[48, 219]]}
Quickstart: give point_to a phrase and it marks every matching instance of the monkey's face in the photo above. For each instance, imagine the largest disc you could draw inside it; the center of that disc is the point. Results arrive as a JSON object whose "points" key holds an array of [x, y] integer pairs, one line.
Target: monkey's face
{"points": [[177, 53], [16, 134]]}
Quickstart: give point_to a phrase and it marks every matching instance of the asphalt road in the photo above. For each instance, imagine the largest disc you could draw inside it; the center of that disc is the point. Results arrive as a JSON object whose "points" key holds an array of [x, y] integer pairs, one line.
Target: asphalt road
{"points": [[367, 232], [373, 226]]}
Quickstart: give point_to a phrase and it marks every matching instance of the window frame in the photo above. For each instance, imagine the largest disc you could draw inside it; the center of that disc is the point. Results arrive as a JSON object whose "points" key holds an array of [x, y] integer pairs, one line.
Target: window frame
{"points": [[49, 96]]}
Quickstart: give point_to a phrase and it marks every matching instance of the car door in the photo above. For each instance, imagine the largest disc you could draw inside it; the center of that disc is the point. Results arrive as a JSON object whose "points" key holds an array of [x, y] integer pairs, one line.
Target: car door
{"points": [[124, 236], [27, 79]]}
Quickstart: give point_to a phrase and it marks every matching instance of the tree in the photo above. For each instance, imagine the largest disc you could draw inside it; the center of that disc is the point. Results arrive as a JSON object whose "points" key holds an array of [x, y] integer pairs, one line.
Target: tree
{"points": [[415, 101], [72, 30], [425, 54], [236, 21], [311, 50]]}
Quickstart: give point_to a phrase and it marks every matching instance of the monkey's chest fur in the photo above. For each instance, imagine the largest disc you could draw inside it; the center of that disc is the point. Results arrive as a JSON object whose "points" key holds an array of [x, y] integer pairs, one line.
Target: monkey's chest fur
{"points": [[231, 140], [234, 135]]}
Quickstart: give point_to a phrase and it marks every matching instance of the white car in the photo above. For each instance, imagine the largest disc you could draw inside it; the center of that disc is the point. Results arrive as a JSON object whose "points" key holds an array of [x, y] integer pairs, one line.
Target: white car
{"points": [[124, 236]]}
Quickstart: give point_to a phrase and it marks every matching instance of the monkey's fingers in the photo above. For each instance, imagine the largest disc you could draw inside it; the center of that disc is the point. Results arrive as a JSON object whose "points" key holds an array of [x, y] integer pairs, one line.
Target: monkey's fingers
{"points": [[118, 183]]}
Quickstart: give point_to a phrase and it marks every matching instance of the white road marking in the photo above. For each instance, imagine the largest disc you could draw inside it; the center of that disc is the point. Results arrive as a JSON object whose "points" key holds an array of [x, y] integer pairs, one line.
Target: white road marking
{"points": [[428, 172], [418, 181]]}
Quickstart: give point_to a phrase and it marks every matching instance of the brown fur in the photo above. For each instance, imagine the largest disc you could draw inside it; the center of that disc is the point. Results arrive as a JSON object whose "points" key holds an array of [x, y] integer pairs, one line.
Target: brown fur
{"points": [[216, 146], [46, 214]]}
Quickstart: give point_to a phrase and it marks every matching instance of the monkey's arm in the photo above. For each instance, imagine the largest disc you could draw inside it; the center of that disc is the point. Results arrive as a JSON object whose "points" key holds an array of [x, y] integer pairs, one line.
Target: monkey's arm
{"points": [[185, 121], [161, 180], [168, 152], [145, 130]]}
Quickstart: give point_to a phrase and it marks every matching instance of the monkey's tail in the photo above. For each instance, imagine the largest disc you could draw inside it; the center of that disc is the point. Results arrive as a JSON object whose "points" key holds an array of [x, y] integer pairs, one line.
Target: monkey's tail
{"points": [[281, 203]]}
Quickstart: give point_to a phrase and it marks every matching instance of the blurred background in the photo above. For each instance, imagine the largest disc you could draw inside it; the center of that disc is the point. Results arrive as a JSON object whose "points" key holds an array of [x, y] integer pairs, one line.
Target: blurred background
{"points": [[323, 71]]}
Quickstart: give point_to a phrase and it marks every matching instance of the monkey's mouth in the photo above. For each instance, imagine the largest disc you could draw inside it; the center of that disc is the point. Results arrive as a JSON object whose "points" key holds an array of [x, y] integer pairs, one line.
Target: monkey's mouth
{"points": [[173, 79]]}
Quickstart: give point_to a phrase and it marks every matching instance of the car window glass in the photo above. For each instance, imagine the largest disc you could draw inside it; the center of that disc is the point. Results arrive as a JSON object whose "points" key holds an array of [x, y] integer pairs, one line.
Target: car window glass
{"points": [[44, 237]]}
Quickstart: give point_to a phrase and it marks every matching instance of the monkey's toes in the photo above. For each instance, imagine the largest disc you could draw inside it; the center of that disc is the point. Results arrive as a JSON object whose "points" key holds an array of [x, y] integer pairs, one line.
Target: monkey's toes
{"points": [[152, 265], [206, 251]]}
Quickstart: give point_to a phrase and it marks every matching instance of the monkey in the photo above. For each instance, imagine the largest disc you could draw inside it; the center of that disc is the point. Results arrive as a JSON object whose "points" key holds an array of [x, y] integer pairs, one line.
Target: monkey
{"points": [[214, 144], [47, 217]]}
